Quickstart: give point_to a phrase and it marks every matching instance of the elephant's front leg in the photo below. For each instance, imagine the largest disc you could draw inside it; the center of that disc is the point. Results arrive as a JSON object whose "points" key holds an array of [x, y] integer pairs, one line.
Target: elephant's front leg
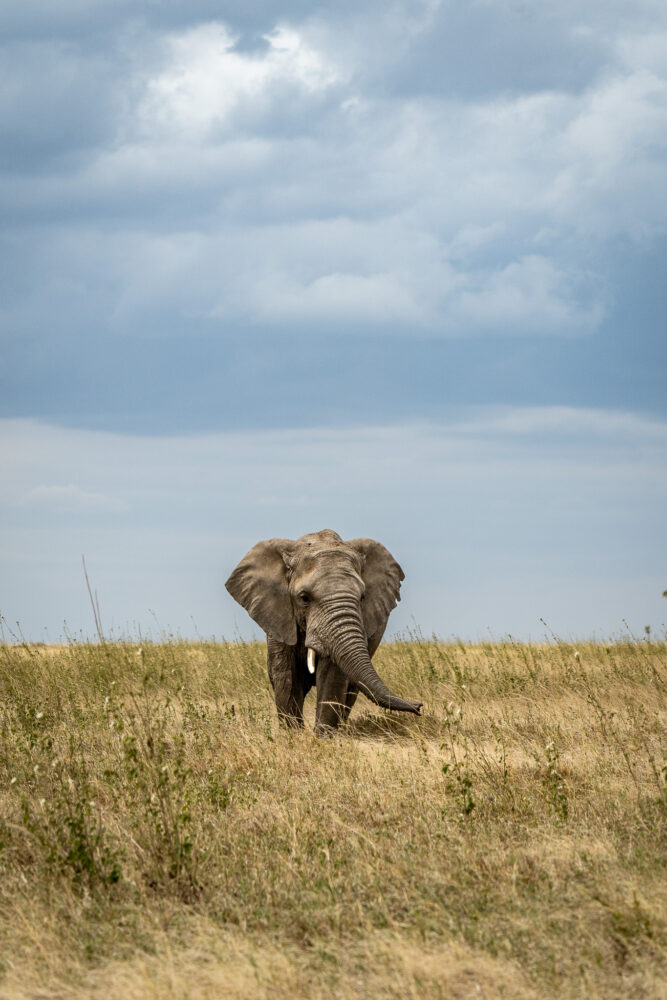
{"points": [[287, 682], [335, 696]]}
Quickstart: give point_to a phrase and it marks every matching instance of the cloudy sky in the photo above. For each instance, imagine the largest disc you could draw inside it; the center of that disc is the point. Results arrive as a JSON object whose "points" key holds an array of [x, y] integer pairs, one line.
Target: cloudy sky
{"points": [[396, 269]]}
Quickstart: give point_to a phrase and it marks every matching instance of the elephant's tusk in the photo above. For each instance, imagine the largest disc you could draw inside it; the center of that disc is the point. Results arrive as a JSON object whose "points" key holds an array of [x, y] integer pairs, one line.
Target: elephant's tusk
{"points": [[310, 660]]}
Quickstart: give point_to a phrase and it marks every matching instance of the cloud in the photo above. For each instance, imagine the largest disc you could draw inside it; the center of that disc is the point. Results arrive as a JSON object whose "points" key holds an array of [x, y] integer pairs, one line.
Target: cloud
{"points": [[56, 101], [603, 431], [339, 298], [365, 217], [71, 498], [479, 172], [206, 82], [528, 296]]}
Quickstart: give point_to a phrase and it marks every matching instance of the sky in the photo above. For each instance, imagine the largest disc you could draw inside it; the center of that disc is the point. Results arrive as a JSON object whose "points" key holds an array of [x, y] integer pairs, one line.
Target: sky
{"points": [[392, 269]]}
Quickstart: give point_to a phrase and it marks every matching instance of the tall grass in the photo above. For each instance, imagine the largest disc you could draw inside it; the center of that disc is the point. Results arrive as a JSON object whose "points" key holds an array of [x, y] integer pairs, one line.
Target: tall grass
{"points": [[160, 836]]}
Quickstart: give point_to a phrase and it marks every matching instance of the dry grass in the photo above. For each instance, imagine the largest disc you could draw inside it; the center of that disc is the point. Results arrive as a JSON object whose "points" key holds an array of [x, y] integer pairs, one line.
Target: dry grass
{"points": [[161, 837]]}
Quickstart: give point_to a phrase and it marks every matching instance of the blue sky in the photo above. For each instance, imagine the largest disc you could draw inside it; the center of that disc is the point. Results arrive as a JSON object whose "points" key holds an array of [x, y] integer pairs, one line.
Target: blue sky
{"points": [[393, 269]]}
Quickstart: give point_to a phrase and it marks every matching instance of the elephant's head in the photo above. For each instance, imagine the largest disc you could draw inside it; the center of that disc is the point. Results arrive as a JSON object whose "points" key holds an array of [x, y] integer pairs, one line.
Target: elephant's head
{"points": [[334, 596]]}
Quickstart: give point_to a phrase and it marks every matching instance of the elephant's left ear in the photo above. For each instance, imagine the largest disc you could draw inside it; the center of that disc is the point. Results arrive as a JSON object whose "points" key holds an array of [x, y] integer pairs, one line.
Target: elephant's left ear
{"points": [[382, 576]]}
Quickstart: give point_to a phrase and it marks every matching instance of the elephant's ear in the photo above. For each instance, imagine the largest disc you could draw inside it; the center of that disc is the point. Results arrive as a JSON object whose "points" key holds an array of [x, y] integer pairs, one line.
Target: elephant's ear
{"points": [[382, 576], [259, 584]]}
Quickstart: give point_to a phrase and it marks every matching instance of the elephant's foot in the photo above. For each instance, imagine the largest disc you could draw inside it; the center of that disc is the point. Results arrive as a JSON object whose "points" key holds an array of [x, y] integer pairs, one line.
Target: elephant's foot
{"points": [[290, 720], [330, 714]]}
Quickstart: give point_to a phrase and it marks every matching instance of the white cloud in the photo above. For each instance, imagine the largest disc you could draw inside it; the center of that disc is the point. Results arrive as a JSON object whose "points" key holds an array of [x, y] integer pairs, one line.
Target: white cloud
{"points": [[205, 79], [340, 299], [526, 296], [328, 275], [602, 429], [644, 51], [588, 166], [71, 498]]}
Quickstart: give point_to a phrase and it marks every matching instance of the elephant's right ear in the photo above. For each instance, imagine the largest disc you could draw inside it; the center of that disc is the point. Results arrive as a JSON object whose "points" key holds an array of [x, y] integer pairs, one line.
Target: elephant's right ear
{"points": [[259, 584]]}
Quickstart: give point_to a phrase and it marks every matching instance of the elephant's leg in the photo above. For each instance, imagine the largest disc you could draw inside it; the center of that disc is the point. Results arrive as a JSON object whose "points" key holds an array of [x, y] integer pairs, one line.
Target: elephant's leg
{"points": [[287, 684], [350, 699], [333, 692]]}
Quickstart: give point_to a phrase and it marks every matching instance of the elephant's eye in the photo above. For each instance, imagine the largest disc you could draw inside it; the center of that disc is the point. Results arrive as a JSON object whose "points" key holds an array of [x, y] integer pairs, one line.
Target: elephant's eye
{"points": [[304, 596]]}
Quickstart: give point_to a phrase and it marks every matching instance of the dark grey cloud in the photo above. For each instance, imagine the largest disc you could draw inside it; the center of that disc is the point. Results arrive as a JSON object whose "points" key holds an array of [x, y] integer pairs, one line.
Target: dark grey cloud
{"points": [[95, 21], [474, 50], [196, 381], [57, 102]]}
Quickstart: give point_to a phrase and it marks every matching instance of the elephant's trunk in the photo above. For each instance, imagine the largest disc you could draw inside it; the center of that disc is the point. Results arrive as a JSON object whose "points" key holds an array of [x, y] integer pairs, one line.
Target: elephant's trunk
{"points": [[340, 631]]}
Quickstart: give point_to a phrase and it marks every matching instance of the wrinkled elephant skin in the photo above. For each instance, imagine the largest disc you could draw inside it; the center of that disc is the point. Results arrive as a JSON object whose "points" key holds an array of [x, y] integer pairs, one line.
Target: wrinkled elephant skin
{"points": [[324, 605]]}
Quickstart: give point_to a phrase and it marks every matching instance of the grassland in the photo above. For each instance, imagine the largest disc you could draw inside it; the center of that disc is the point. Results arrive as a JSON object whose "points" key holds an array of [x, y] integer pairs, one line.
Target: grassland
{"points": [[161, 837]]}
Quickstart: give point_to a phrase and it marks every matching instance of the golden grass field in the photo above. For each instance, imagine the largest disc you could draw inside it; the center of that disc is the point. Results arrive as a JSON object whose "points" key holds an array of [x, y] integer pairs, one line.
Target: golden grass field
{"points": [[161, 837]]}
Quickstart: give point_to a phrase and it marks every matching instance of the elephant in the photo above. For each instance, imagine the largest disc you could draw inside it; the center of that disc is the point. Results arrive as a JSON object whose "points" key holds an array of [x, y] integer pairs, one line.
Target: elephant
{"points": [[324, 605]]}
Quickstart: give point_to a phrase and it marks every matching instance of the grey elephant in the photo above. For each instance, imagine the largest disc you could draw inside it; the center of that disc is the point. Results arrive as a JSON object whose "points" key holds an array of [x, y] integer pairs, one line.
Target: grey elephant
{"points": [[324, 605]]}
